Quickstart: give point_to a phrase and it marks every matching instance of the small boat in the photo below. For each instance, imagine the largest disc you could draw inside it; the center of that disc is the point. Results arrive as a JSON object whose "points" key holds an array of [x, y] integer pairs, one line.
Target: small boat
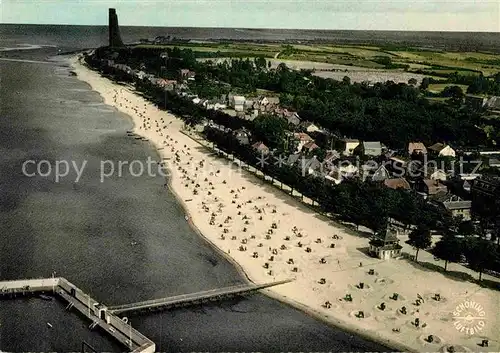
{"points": [[133, 243], [49, 324], [45, 297]]}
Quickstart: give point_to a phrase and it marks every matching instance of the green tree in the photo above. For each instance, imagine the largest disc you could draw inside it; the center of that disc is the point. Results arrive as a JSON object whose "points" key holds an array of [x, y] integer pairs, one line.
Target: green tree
{"points": [[412, 81], [271, 130], [466, 228], [260, 62], [480, 254], [420, 238], [453, 92], [425, 83], [449, 249]]}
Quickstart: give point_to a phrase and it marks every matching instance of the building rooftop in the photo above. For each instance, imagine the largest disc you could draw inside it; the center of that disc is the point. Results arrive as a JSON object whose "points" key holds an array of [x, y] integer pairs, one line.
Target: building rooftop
{"points": [[381, 174], [386, 239], [398, 183], [302, 136], [399, 159], [416, 146], [372, 145], [306, 124], [260, 146], [493, 103], [457, 205], [293, 158], [437, 147], [310, 145]]}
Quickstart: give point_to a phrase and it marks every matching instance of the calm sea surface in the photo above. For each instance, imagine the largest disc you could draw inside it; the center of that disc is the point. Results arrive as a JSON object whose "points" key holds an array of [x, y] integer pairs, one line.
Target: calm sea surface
{"points": [[84, 230], [77, 37]]}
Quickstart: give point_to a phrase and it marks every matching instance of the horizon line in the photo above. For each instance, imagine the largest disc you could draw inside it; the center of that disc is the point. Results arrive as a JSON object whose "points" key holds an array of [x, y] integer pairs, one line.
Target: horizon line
{"points": [[259, 28]]}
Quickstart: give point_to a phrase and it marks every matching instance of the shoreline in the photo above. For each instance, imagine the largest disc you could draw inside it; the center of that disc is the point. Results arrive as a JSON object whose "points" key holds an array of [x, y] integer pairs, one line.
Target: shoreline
{"points": [[284, 299], [288, 295]]}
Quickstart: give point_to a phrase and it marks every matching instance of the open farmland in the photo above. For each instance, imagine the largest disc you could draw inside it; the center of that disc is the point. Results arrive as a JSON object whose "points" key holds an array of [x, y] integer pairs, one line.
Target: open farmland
{"points": [[371, 76], [439, 87], [313, 65], [337, 72], [362, 52], [353, 58], [298, 64], [452, 61]]}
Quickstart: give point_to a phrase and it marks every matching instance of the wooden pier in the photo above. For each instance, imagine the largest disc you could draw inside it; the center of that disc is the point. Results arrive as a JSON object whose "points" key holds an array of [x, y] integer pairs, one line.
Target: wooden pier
{"points": [[106, 317], [12, 289], [97, 313], [193, 298]]}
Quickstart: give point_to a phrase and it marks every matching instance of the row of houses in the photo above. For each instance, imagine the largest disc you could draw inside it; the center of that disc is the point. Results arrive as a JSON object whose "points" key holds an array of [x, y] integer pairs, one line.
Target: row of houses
{"points": [[184, 76], [251, 108], [437, 149], [232, 104], [240, 103], [376, 148], [335, 167], [237, 105]]}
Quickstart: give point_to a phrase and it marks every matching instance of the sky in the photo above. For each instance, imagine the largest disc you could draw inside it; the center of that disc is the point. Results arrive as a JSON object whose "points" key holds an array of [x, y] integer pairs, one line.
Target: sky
{"points": [[412, 15]]}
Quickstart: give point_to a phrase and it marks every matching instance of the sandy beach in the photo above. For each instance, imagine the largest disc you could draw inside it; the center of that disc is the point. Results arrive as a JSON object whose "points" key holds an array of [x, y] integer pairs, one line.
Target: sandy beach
{"points": [[272, 236]]}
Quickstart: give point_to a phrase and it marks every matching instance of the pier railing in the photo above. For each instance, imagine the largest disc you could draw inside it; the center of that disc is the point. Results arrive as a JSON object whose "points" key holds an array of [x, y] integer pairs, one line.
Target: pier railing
{"points": [[104, 317], [193, 298], [96, 312], [27, 286]]}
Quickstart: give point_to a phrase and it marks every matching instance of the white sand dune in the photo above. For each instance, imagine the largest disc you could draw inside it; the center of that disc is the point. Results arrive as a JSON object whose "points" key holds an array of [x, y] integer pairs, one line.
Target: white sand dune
{"points": [[254, 224]]}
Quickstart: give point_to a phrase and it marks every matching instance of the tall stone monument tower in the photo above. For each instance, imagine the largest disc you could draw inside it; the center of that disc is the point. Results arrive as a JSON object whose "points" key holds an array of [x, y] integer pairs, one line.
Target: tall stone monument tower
{"points": [[114, 31]]}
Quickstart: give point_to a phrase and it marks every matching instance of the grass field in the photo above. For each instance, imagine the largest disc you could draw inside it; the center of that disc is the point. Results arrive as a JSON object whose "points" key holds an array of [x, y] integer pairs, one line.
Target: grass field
{"points": [[346, 50], [372, 76], [214, 48], [439, 87], [355, 55], [465, 60]]}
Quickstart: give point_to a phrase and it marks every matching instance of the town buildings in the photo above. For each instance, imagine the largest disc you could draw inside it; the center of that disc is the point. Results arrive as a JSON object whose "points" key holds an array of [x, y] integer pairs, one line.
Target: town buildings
{"points": [[349, 146], [441, 150], [237, 103], [454, 204], [390, 170], [370, 148], [416, 148]]}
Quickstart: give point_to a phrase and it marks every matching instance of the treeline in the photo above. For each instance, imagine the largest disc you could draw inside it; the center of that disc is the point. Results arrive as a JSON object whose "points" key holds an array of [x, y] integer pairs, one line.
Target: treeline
{"points": [[480, 254], [368, 204], [362, 203], [394, 114], [391, 113], [477, 83], [161, 62], [482, 84]]}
